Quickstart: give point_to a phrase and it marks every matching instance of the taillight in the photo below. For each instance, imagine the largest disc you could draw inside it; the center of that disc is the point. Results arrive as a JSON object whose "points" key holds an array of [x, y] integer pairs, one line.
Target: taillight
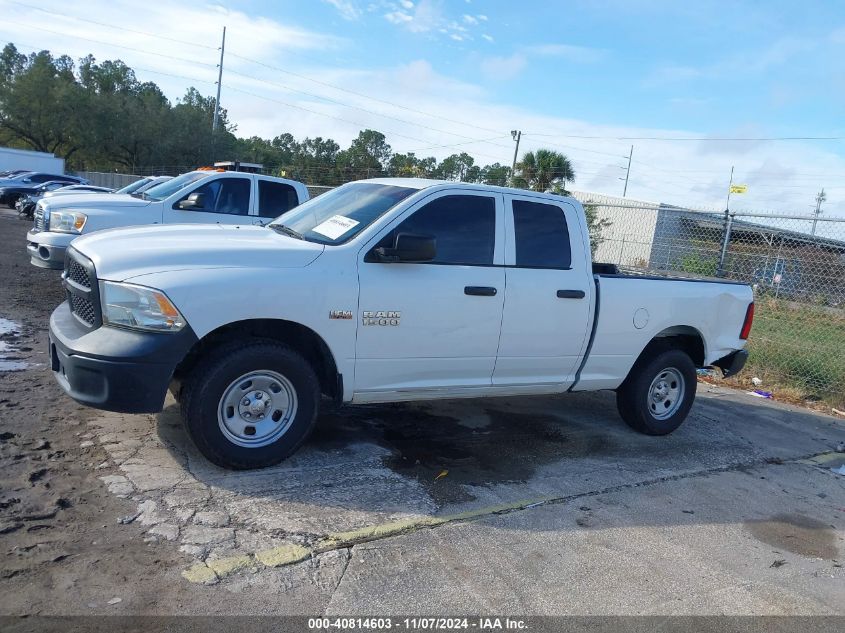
{"points": [[746, 325]]}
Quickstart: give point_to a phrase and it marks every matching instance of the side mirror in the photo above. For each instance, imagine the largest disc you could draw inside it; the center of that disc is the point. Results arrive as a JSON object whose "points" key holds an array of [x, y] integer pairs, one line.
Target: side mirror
{"points": [[408, 247], [193, 201]]}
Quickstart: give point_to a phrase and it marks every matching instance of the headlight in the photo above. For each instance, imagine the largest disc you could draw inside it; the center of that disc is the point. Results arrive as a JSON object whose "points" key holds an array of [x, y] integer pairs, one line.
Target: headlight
{"points": [[67, 221], [137, 307]]}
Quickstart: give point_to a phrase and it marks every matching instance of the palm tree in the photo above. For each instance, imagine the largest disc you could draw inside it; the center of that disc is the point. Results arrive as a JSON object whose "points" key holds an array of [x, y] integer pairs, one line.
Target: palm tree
{"points": [[543, 170]]}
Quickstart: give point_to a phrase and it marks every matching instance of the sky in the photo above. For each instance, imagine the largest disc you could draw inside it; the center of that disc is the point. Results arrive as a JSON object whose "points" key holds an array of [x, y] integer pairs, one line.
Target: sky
{"points": [[695, 87]]}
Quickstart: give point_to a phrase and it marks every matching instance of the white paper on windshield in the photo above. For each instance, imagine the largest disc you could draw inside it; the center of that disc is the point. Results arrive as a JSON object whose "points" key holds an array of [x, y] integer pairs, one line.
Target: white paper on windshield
{"points": [[335, 226]]}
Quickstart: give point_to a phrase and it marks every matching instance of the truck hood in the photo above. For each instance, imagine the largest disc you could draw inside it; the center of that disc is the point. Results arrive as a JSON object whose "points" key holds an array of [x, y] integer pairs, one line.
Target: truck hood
{"points": [[119, 254], [83, 201]]}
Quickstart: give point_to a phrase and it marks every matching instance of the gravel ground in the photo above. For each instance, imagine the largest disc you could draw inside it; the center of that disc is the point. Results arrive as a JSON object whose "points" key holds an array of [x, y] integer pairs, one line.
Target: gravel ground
{"points": [[59, 537]]}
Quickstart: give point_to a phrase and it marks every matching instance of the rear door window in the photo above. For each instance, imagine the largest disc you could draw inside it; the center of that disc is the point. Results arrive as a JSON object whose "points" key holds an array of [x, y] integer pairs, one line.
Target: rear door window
{"points": [[541, 235]]}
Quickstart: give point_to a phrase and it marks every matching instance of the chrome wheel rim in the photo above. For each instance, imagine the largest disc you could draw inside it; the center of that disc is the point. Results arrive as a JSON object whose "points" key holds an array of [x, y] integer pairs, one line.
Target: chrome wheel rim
{"points": [[666, 393], [257, 409]]}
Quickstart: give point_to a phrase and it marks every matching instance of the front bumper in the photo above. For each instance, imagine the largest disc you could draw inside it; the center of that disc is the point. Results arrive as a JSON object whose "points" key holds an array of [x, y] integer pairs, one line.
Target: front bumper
{"points": [[112, 368], [732, 363], [46, 249]]}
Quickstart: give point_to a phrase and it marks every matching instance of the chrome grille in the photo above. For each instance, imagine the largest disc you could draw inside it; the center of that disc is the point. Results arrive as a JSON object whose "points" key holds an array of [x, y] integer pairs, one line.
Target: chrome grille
{"points": [[83, 294], [83, 308], [40, 224]]}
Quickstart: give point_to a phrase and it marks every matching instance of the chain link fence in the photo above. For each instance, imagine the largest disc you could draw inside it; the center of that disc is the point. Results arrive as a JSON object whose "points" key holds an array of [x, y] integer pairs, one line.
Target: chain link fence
{"points": [[796, 265]]}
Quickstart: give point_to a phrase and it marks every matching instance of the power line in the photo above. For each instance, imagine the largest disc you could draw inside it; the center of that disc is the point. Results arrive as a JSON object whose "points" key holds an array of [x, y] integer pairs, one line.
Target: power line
{"points": [[358, 124], [361, 125], [697, 138], [580, 149], [113, 26], [128, 48], [368, 111], [329, 99], [253, 61], [359, 94]]}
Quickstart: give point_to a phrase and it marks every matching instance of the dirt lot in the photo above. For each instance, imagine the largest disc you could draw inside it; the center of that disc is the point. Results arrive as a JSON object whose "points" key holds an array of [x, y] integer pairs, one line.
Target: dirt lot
{"points": [[520, 506]]}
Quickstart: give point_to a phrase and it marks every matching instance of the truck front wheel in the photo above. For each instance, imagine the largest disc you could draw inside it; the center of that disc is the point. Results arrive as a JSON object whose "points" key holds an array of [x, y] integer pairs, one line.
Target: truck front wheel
{"points": [[250, 405], [658, 393]]}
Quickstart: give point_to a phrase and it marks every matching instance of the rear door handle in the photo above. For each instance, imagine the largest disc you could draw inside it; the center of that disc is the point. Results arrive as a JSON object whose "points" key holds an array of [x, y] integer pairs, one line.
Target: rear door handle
{"points": [[480, 291], [571, 294]]}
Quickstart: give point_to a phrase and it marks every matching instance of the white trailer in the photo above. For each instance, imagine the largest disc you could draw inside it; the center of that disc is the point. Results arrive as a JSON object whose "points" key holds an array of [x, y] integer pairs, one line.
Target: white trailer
{"points": [[34, 161]]}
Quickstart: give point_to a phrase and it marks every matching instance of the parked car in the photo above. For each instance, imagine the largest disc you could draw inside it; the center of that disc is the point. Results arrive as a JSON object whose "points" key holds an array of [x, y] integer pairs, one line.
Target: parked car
{"points": [[140, 186], [379, 291], [13, 172], [77, 189], [28, 178], [26, 204], [10, 194], [211, 196]]}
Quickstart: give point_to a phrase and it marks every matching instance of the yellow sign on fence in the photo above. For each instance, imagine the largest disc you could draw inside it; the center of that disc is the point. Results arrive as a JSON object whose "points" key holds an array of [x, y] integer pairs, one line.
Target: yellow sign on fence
{"points": [[739, 188]]}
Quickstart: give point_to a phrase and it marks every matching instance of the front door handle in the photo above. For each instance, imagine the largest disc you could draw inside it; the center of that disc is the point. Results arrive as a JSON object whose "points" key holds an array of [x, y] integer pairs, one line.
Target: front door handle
{"points": [[571, 294], [480, 291]]}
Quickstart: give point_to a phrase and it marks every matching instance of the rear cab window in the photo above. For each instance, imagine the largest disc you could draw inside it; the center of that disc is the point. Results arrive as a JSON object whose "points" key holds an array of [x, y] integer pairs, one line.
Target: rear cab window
{"points": [[275, 198]]}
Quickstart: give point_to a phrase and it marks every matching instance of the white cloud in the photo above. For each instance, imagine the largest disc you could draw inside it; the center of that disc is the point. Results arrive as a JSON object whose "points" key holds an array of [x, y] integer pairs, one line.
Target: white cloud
{"points": [[503, 67], [771, 57], [482, 17], [427, 16], [397, 17], [580, 54], [348, 9], [407, 4], [487, 37]]}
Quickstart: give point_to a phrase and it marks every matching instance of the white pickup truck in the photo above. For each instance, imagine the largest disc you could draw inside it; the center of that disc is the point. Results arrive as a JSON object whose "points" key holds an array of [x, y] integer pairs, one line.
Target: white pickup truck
{"points": [[379, 291], [214, 196]]}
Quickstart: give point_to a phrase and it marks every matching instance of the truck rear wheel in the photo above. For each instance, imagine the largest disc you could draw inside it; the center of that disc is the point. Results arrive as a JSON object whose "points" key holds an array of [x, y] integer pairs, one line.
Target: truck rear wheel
{"points": [[250, 405], [658, 393]]}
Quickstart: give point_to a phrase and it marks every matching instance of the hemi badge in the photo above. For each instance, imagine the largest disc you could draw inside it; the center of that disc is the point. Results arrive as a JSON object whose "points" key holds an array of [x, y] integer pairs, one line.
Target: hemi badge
{"points": [[340, 314]]}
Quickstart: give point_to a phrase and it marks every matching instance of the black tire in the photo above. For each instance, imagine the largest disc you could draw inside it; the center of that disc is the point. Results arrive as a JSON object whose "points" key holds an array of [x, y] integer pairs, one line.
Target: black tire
{"points": [[10, 201], [635, 400], [214, 376]]}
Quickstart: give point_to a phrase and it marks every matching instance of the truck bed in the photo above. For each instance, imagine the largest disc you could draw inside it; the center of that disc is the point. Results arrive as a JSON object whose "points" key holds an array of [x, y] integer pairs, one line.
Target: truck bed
{"points": [[614, 271], [632, 308]]}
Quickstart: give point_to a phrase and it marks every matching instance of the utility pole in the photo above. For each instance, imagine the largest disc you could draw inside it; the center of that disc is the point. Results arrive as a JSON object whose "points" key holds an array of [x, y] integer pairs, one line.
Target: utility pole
{"points": [[726, 238], [628, 171], [821, 197], [219, 83], [516, 135]]}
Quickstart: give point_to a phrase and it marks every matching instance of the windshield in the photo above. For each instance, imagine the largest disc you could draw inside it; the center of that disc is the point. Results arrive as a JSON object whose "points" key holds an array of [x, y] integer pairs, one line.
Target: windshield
{"points": [[342, 213], [133, 186], [169, 187]]}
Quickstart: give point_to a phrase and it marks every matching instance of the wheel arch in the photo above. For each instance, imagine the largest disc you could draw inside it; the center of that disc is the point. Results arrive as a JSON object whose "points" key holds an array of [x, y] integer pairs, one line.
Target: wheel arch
{"points": [[681, 337], [299, 337]]}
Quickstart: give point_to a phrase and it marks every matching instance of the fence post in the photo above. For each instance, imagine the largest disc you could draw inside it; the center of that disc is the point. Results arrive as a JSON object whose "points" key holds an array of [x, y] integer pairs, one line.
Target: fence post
{"points": [[726, 238]]}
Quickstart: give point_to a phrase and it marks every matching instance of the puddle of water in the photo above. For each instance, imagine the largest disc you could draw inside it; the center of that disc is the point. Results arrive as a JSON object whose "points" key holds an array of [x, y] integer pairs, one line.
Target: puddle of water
{"points": [[9, 332], [508, 447], [8, 327], [796, 533]]}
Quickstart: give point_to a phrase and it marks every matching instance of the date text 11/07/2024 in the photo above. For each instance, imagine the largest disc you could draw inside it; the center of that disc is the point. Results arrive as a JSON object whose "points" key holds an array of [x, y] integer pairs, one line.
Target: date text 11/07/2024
{"points": [[418, 624]]}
